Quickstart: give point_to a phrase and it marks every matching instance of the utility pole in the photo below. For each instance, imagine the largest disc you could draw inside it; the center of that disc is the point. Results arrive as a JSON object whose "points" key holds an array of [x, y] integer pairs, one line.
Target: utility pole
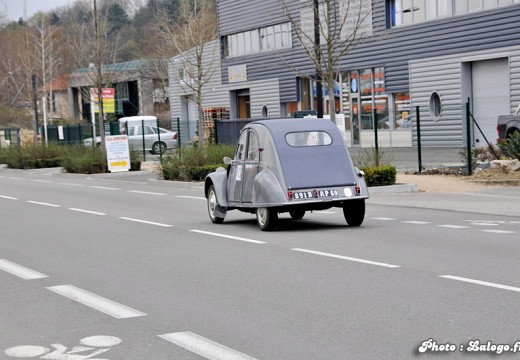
{"points": [[317, 52], [99, 77]]}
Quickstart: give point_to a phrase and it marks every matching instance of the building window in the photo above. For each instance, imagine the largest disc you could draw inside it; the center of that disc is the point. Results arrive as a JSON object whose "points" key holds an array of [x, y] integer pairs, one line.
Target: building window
{"points": [[275, 37], [435, 105], [407, 12], [269, 38]]}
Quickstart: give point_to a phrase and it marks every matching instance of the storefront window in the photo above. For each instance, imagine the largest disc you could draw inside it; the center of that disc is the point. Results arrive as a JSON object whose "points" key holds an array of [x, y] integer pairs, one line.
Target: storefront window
{"points": [[402, 111], [381, 99], [365, 82]]}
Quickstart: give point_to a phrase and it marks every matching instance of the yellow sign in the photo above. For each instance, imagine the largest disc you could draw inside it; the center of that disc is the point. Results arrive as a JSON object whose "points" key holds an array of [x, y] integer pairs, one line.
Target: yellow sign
{"points": [[109, 100]]}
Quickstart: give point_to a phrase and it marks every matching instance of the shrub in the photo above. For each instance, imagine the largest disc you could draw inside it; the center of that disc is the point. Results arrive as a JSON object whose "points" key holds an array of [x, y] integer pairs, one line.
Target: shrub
{"points": [[84, 160], [369, 157], [31, 156], [194, 164], [511, 146], [380, 175]]}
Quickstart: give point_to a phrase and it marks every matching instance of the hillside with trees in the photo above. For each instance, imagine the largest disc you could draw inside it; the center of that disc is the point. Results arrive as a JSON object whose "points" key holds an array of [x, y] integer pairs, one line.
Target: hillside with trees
{"points": [[52, 44]]}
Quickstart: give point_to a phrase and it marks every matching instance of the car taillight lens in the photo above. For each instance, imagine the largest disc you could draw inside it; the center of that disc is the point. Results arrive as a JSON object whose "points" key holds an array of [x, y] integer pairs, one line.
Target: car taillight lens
{"points": [[357, 189], [290, 195], [175, 136]]}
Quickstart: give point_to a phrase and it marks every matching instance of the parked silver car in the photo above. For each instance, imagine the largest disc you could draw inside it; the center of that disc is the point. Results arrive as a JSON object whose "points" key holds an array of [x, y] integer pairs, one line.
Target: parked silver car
{"points": [[287, 165], [156, 140]]}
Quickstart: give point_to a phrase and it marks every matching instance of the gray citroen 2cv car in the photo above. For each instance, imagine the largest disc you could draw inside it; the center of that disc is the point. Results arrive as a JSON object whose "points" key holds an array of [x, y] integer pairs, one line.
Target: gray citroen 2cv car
{"points": [[287, 165]]}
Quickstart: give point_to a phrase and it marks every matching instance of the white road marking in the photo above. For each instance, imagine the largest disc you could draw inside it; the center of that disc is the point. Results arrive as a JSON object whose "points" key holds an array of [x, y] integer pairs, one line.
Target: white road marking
{"points": [[16, 178], [146, 192], [228, 236], [191, 197], [146, 222], [104, 188], [42, 181], [42, 203], [71, 184], [97, 302], [417, 222], [204, 347], [369, 262], [87, 211], [20, 271], [478, 282], [383, 219], [453, 226], [499, 231], [8, 197]]}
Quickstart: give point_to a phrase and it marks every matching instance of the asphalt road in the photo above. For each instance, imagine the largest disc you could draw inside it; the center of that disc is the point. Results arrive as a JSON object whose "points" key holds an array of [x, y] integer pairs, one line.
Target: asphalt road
{"points": [[124, 268]]}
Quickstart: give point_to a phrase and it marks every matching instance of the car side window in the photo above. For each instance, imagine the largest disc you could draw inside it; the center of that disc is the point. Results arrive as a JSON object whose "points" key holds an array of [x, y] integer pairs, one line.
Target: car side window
{"points": [[241, 147], [253, 145]]}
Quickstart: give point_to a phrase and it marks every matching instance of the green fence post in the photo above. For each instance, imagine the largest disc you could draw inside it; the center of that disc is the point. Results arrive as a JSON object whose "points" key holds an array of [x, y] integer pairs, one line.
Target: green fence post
{"points": [[142, 132], [159, 140], [419, 150], [468, 138]]}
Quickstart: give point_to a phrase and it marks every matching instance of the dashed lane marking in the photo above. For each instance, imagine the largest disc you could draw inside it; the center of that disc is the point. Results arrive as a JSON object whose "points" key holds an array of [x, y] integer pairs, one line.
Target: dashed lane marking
{"points": [[145, 222], [417, 222], [146, 193], [499, 231], [20, 271], [384, 219], [71, 184], [8, 197], [454, 226], [369, 262], [191, 197], [204, 347], [88, 211], [43, 203], [42, 181], [483, 283], [104, 188], [109, 307], [228, 236]]}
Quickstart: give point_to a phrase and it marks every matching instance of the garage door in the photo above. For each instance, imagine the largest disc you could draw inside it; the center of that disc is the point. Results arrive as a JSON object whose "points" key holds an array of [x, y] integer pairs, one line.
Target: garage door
{"points": [[490, 86]]}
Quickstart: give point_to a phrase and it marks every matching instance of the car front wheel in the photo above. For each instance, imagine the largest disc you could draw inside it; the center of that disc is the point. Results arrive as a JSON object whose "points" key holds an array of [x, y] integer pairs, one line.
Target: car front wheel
{"points": [[354, 212], [212, 205], [266, 218], [158, 147]]}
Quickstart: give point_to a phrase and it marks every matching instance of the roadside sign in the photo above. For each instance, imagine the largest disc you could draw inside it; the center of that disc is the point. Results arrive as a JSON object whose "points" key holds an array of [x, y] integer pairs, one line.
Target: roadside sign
{"points": [[118, 153]]}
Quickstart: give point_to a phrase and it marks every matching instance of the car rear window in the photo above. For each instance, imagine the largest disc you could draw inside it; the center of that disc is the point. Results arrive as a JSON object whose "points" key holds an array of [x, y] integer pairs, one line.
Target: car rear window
{"points": [[308, 138]]}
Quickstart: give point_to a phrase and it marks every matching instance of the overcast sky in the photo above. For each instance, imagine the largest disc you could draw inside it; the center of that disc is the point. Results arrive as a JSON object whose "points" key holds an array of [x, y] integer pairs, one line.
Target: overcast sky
{"points": [[15, 7]]}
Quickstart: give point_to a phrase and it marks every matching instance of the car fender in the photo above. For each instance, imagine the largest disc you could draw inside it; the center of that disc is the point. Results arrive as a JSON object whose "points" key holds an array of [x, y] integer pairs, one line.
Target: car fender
{"points": [[362, 182], [219, 180], [267, 190]]}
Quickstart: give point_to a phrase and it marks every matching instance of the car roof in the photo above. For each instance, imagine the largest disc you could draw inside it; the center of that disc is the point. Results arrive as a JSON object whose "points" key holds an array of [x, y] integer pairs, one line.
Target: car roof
{"points": [[305, 167]]}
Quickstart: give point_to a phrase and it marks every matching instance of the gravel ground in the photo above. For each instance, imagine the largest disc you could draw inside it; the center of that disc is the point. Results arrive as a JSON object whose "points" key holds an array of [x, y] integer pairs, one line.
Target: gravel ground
{"points": [[460, 184]]}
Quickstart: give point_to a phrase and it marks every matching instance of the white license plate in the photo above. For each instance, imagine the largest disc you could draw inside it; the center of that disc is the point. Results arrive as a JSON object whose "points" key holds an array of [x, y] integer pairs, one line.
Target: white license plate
{"points": [[314, 194]]}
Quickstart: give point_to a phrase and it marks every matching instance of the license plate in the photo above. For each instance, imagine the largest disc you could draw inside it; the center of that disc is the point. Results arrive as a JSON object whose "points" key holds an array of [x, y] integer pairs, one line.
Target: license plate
{"points": [[298, 195]]}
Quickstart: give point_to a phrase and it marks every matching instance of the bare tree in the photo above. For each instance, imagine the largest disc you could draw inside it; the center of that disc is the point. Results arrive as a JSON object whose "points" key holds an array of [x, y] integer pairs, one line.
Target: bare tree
{"points": [[93, 48], [47, 40], [327, 31], [189, 39]]}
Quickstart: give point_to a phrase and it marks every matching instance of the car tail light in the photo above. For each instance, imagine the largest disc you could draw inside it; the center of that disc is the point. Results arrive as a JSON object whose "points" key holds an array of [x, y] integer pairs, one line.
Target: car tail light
{"points": [[357, 189], [315, 193], [175, 136], [290, 195]]}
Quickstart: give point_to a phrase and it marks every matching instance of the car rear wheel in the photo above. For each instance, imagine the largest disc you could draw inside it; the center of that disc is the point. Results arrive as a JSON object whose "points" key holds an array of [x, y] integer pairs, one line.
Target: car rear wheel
{"points": [[354, 212], [158, 147], [212, 205], [266, 218], [297, 215]]}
